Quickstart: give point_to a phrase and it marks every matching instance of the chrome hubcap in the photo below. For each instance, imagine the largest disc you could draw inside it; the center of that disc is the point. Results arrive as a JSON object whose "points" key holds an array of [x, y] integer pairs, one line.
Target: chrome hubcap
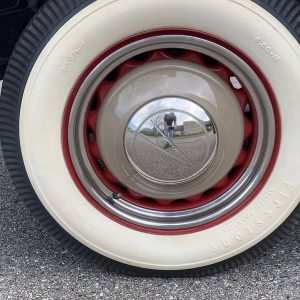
{"points": [[170, 140]]}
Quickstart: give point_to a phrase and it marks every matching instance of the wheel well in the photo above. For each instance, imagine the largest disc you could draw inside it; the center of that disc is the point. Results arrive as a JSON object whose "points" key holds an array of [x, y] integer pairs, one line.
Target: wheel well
{"points": [[14, 16]]}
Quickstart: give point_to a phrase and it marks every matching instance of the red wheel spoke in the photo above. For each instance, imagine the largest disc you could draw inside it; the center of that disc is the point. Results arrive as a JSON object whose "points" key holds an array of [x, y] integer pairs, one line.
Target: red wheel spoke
{"points": [[223, 183], [222, 72], [195, 198], [104, 89], [248, 128], [109, 176], [192, 57], [127, 67], [92, 120], [242, 97], [163, 202], [241, 159], [158, 55], [94, 150], [134, 195]]}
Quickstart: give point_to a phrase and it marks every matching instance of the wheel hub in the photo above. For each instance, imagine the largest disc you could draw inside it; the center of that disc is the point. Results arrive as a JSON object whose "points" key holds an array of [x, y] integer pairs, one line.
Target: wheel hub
{"points": [[188, 163]]}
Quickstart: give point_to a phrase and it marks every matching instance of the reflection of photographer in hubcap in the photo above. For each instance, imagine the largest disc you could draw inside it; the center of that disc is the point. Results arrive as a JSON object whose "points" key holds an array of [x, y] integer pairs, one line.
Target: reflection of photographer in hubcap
{"points": [[170, 123]]}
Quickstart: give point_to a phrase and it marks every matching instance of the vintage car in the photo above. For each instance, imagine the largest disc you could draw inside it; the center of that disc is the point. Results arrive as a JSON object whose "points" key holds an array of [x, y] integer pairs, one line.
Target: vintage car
{"points": [[158, 137]]}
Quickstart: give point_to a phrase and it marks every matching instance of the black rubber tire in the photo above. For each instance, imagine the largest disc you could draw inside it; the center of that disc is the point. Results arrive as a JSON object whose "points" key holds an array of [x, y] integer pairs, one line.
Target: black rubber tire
{"points": [[40, 30]]}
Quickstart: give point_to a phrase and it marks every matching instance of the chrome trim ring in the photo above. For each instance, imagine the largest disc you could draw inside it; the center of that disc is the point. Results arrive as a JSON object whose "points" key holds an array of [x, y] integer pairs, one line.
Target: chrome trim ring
{"points": [[185, 218]]}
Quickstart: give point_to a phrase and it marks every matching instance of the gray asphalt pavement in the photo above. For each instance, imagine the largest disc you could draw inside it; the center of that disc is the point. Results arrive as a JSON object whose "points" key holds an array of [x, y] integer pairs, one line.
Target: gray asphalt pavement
{"points": [[33, 265]]}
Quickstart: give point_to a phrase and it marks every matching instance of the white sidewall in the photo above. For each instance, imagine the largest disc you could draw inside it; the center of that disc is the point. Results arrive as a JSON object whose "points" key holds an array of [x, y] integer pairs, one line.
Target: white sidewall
{"points": [[93, 30]]}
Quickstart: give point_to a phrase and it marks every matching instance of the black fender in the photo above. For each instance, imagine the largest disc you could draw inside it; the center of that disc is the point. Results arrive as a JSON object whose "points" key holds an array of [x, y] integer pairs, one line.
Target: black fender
{"points": [[14, 17]]}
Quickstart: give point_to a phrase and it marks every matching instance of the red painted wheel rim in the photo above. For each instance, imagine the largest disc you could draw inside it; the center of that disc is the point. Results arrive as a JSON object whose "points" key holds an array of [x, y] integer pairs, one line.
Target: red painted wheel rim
{"points": [[112, 183]]}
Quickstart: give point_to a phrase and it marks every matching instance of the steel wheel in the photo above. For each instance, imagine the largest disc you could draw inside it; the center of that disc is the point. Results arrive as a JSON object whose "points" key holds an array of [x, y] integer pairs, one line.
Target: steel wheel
{"points": [[221, 166]]}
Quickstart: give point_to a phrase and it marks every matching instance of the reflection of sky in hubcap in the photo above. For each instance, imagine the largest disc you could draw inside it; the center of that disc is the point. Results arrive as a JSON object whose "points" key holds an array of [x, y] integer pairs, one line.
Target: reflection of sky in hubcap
{"points": [[170, 140]]}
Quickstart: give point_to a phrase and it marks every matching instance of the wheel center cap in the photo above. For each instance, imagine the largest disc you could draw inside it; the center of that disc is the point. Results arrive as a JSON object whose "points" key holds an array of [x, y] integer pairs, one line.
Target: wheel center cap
{"points": [[170, 130], [170, 140]]}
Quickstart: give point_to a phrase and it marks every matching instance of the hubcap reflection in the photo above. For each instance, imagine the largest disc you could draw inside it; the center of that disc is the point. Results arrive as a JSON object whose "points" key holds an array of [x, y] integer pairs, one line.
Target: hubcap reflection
{"points": [[170, 140]]}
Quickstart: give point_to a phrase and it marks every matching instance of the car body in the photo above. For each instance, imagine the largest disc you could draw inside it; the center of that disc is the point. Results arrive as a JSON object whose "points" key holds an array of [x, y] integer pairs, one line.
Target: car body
{"points": [[14, 16]]}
